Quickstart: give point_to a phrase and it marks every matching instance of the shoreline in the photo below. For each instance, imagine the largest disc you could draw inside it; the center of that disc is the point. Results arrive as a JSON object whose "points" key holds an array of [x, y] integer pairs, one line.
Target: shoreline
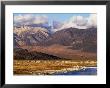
{"points": [[54, 72], [40, 67], [84, 71], [51, 72]]}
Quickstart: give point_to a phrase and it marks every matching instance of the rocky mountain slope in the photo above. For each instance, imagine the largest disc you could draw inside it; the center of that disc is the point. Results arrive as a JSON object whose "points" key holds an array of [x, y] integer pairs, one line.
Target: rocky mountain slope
{"points": [[78, 39]]}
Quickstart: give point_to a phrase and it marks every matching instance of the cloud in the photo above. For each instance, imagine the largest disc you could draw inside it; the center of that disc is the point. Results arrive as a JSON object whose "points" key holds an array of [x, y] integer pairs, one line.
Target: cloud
{"points": [[40, 19], [92, 21], [80, 22], [26, 19]]}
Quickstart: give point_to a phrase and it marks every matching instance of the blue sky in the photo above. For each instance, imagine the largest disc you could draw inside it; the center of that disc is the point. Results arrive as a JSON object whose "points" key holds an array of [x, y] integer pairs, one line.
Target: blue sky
{"points": [[56, 16]]}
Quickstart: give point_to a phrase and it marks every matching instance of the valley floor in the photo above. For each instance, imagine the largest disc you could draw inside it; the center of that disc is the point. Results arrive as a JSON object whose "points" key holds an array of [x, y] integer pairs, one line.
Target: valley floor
{"points": [[49, 67], [63, 52]]}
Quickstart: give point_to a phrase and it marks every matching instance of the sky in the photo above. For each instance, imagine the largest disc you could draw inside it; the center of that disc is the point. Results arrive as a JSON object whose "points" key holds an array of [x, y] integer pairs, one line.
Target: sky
{"points": [[54, 16], [76, 19]]}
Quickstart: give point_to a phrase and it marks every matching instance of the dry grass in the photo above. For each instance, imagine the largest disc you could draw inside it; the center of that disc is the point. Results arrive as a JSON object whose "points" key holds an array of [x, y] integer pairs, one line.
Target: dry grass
{"points": [[75, 60], [45, 67]]}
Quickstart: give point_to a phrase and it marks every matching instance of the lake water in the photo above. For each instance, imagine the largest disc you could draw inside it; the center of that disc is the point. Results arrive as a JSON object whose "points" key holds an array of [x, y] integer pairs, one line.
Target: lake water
{"points": [[86, 71]]}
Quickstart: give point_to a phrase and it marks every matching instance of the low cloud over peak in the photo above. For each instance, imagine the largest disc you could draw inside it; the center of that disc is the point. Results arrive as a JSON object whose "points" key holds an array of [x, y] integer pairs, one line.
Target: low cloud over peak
{"points": [[80, 22]]}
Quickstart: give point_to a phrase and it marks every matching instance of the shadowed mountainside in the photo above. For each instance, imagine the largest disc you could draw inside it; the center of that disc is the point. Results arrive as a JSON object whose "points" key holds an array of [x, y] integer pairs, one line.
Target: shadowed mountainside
{"points": [[24, 54]]}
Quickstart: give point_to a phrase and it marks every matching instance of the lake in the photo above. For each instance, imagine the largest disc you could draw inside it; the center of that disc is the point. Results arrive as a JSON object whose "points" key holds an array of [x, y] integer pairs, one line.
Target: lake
{"points": [[86, 71]]}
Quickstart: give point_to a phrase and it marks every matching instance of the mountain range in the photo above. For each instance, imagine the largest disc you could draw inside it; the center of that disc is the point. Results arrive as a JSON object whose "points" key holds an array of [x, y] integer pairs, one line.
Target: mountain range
{"points": [[83, 39]]}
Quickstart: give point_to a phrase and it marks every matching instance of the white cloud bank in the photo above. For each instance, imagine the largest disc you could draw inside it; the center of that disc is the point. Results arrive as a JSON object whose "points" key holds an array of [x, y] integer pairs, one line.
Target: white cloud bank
{"points": [[26, 19], [80, 22]]}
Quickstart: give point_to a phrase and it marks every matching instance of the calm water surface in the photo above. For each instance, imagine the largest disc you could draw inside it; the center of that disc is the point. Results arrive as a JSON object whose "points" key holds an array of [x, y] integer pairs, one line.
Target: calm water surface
{"points": [[86, 71]]}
